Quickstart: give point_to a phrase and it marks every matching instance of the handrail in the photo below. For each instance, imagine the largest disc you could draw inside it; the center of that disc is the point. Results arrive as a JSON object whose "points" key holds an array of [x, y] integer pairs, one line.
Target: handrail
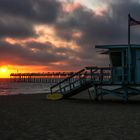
{"points": [[96, 75], [90, 67], [67, 78]]}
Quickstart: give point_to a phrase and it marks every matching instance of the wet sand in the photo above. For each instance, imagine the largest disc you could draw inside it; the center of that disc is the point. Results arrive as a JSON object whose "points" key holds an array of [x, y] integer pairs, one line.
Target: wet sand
{"points": [[32, 117]]}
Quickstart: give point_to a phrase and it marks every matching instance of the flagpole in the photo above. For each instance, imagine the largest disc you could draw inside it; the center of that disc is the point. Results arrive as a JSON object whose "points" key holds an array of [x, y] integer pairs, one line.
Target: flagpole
{"points": [[131, 22], [129, 50], [128, 29]]}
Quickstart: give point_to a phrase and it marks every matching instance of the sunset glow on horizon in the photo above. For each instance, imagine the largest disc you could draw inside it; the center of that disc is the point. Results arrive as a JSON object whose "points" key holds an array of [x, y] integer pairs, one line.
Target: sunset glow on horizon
{"points": [[6, 70]]}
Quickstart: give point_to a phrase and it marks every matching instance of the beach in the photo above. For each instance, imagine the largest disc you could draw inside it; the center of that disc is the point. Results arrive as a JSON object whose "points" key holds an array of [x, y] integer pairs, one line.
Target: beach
{"points": [[32, 117]]}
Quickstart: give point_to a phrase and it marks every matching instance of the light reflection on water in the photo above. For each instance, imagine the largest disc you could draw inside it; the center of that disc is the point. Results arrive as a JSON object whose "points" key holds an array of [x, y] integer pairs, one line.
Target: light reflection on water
{"points": [[11, 88]]}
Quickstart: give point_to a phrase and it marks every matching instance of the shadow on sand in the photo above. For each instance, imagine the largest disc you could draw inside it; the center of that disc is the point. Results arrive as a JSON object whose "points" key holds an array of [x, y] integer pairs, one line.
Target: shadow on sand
{"points": [[104, 102]]}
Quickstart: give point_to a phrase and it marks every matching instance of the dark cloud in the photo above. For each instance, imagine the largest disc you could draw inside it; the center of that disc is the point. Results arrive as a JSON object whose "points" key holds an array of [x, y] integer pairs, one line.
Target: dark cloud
{"points": [[109, 28], [93, 27], [18, 18], [40, 46], [26, 55], [120, 16], [39, 54], [40, 11], [15, 28]]}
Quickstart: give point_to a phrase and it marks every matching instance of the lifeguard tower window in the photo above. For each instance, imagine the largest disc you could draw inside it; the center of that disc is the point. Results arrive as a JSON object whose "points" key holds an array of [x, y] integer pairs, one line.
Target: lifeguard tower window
{"points": [[116, 58]]}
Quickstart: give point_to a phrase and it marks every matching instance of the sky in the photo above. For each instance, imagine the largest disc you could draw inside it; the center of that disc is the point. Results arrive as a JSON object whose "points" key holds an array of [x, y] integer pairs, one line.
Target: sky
{"points": [[60, 35]]}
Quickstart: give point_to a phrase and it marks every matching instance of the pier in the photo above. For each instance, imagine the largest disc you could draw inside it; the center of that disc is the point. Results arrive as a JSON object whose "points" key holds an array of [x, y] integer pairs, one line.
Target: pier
{"points": [[48, 77]]}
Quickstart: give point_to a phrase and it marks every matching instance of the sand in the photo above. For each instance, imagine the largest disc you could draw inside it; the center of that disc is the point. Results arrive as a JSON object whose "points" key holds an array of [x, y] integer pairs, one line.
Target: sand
{"points": [[32, 117]]}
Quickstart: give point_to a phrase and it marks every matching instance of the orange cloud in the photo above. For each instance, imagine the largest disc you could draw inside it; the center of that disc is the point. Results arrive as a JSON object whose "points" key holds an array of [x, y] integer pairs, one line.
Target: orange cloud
{"points": [[48, 34], [77, 34], [99, 11], [21, 41], [69, 7]]}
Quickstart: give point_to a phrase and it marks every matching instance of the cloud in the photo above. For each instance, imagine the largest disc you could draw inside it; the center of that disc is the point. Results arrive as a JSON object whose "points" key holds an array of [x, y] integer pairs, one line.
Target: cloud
{"points": [[108, 28], [18, 18], [69, 33], [15, 28], [30, 54], [40, 11]]}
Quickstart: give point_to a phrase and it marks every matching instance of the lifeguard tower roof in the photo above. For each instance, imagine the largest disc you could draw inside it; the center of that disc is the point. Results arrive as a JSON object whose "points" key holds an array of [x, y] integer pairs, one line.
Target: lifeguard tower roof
{"points": [[108, 48], [117, 46]]}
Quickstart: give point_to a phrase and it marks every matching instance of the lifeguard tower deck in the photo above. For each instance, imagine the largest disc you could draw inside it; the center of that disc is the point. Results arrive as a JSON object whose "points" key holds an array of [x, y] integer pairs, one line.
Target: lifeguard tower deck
{"points": [[123, 72]]}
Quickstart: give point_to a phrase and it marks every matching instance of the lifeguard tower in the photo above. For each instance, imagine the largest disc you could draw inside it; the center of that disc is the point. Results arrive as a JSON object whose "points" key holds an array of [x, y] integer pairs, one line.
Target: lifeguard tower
{"points": [[124, 62], [123, 73]]}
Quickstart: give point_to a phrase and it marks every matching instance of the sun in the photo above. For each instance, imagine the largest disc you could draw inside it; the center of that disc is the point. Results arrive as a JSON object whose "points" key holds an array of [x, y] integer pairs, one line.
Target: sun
{"points": [[4, 72]]}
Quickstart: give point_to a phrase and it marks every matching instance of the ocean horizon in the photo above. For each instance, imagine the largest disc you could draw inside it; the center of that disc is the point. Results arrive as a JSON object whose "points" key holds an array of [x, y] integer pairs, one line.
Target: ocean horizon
{"points": [[8, 87]]}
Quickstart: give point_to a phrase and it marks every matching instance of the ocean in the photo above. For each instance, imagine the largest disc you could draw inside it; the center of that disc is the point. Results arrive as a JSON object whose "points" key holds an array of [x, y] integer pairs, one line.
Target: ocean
{"points": [[13, 88]]}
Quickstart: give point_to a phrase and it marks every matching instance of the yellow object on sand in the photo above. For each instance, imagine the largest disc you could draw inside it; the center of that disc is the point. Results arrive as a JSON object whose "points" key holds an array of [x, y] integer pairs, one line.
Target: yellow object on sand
{"points": [[54, 96]]}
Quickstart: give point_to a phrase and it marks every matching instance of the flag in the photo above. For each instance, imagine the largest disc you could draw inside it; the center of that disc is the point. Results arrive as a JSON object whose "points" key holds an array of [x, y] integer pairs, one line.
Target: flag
{"points": [[133, 22]]}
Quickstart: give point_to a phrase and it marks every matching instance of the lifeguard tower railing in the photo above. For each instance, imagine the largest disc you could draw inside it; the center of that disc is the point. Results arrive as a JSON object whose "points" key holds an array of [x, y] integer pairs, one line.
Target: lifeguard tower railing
{"points": [[91, 76]]}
